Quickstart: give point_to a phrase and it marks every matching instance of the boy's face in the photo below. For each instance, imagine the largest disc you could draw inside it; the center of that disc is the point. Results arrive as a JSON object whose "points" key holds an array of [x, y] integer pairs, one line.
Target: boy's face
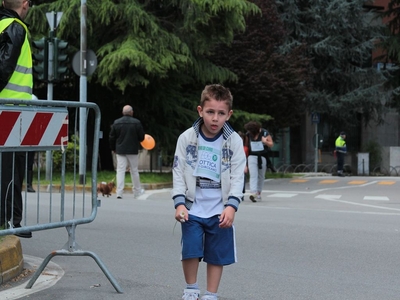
{"points": [[215, 114]]}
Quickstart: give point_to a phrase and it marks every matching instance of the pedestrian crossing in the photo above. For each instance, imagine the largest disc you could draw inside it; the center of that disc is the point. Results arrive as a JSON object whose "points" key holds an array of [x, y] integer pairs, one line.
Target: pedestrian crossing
{"points": [[326, 185], [351, 182], [324, 196]]}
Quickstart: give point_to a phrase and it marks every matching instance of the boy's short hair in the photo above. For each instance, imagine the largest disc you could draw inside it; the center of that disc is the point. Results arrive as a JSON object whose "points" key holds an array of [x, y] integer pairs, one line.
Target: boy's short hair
{"points": [[217, 92]]}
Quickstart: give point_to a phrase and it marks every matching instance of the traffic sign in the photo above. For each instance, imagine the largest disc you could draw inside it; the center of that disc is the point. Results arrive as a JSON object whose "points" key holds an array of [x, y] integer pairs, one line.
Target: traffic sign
{"points": [[54, 18], [317, 140], [315, 118], [90, 64]]}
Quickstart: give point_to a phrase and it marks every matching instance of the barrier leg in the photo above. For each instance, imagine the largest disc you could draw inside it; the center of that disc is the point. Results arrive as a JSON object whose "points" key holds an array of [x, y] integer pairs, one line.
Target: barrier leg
{"points": [[39, 270], [70, 249]]}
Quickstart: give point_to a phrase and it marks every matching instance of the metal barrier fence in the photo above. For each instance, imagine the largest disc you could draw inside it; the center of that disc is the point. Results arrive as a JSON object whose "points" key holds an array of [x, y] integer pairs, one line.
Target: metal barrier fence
{"points": [[42, 126]]}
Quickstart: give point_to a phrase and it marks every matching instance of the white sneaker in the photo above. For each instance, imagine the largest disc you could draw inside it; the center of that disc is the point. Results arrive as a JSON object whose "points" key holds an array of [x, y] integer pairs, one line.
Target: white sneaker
{"points": [[258, 197], [191, 294], [139, 193], [209, 297]]}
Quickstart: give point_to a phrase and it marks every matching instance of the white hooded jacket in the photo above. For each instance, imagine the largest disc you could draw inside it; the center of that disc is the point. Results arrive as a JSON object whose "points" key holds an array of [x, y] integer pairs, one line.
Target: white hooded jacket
{"points": [[233, 162]]}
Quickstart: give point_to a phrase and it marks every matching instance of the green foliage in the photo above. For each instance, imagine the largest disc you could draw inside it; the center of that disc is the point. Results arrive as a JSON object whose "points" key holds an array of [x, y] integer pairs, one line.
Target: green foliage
{"points": [[71, 155], [151, 54], [269, 83], [391, 53], [239, 118], [137, 41], [375, 153], [339, 37]]}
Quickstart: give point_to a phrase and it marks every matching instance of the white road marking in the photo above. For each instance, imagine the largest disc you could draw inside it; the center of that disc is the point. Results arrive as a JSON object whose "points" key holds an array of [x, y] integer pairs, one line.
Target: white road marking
{"points": [[328, 198], [378, 198], [282, 195]]}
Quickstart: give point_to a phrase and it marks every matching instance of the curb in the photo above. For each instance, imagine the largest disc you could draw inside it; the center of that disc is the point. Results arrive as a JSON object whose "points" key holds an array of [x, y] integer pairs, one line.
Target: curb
{"points": [[11, 258], [88, 188]]}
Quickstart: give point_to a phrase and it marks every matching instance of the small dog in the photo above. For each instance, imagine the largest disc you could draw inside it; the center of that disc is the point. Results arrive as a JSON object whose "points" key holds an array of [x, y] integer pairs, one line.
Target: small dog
{"points": [[105, 188]]}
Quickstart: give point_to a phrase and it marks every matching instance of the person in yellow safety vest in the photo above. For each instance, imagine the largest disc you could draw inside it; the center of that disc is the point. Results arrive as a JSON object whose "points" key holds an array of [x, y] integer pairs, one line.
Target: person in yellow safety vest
{"points": [[16, 82], [341, 150]]}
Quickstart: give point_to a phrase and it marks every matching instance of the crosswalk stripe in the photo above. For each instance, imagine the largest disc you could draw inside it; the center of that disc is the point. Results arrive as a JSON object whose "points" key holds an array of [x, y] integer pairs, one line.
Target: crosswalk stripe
{"points": [[282, 195], [386, 182], [328, 181], [299, 180], [357, 182], [378, 198], [336, 197]]}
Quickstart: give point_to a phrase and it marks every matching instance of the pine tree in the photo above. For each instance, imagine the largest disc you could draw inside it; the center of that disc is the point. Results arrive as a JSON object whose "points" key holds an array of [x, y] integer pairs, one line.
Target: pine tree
{"points": [[152, 54], [339, 37]]}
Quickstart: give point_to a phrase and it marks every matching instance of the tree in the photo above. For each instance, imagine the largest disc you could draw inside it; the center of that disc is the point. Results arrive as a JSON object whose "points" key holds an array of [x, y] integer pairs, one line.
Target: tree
{"points": [[339, 37], [268, 82], [391, 52], [152, 54]]}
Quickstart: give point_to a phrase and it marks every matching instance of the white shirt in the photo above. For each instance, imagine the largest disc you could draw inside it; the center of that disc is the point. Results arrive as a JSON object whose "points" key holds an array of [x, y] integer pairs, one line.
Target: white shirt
{"points": [[208, 201]]}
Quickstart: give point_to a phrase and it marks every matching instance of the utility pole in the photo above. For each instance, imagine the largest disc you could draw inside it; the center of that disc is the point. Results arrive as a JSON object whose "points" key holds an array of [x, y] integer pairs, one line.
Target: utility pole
{"points": [[83, 96], [53, 18], [315, 119]]}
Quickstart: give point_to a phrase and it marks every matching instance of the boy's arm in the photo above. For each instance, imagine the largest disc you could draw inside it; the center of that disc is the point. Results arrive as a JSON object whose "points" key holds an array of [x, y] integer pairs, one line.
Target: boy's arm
{"points": [[227, 217], [238, 164], [178, 168]]}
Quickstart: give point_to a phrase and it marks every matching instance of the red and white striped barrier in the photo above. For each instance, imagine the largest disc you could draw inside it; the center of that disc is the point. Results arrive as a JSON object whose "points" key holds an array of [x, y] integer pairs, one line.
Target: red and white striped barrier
{"points": [[24, 127]]}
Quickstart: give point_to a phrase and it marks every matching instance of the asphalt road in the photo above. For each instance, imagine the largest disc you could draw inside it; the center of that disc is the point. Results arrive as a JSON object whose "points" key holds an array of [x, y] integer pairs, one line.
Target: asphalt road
{"points": [[309, 238]]}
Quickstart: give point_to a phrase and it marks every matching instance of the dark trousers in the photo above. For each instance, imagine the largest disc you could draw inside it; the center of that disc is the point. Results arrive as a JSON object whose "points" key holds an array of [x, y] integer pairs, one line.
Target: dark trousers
{"points": [[340, 161], [31, 160], [11, 186]]}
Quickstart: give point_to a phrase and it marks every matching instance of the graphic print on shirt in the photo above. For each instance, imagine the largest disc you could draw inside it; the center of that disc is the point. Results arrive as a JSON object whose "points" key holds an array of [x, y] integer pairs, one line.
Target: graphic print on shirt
{"points": [[209, 158]]}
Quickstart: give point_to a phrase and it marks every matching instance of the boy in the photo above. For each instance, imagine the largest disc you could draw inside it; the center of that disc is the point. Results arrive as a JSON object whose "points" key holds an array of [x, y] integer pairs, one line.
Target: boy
{"points": [[207, 189]]}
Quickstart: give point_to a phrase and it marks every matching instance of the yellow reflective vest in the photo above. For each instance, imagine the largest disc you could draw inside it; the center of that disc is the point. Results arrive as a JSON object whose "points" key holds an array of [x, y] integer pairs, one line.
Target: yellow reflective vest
{"points": [[340, 145], [21, 82]]}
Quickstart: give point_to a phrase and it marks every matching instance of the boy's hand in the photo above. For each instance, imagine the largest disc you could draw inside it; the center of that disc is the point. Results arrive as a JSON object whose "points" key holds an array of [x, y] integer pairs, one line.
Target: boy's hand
{"points": [[227, 217], [181, 213]]}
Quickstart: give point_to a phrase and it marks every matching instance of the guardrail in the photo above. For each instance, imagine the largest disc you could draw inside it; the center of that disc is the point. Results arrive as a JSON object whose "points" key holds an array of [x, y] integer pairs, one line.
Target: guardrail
{"points": [[42, 126]]}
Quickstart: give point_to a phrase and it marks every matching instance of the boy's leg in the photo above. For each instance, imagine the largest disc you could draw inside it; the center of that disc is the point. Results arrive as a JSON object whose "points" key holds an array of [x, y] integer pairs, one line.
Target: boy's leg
{"points": [[192, 251], [214, 274], [190, 267], [219, 250]]}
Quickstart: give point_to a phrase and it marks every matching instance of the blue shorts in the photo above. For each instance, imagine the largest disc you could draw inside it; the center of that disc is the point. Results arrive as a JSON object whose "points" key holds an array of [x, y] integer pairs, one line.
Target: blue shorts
{"points": [[203, 238]]}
